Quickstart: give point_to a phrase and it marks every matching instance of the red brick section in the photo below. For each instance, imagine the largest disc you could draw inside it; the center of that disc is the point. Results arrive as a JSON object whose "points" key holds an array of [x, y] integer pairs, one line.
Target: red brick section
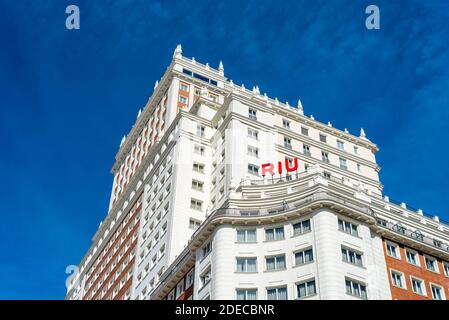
{"points": [[115, 239], [184, 94], [419, 272]]}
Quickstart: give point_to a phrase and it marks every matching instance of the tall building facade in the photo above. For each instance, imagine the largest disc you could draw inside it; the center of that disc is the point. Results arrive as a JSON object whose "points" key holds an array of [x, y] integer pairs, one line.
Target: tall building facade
{"points": [[221, 192]]}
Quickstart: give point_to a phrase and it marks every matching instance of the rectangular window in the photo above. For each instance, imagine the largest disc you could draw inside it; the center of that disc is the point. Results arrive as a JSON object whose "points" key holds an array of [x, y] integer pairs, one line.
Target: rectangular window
{"points": [[252, 114], [198, 167], [184, 87], [304, 131], [431, 264], [356, 289], [200, 130], [356, 150], [437, 292], [183, 100], [306, 289], [274, 234], [343, 164], [194, 224], [303, 257], [340, 145], [246, 294], [397, 279], [412, 257], [253, 133], [418, 286], [197, 185], [287, 143], [286, 124], [253, 169], [199, 149], [392, 250], [205, 278], [446, 268], [306, 149], [275, 263], [196, 204], [323, 138], [206, 249], [253, 151], [348, 227], [246, 236], [352, 257], [279, 293], [359, 168], [301, 227], [325, 156], [246, 265]]}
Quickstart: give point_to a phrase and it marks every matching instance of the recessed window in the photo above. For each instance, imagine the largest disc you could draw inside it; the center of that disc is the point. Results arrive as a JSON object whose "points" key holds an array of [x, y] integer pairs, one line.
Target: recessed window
{"points": [[246, 265], [253, 169], [183, 99], [246, 235], [412, 257], [206, 249], [356, 150], [437, 292], [272, 234], [287, 143], [279, 293], [275, 263], [343, 164], [184, 87], [200, 130], [340, 145], [205, 278], [197, 185], [306, 149], [199, 149], [196, 204], [325, 156], [303, 257], [252, 114], [418, 286], [253, 151], [306, 289], [301, 227], [304, 131], [198, 167], [246, 294], [323, 138], [393, 250], [348, 227], [431, 264], [446, 268], [194, 224], [352, 257], [355, 288], [397, 278], [253, 133], [359, 168], [286, 124]]}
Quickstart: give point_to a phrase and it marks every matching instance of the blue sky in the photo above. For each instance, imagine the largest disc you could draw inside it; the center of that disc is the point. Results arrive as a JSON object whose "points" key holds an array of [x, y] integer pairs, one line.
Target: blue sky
{"points": [[67, 98]]}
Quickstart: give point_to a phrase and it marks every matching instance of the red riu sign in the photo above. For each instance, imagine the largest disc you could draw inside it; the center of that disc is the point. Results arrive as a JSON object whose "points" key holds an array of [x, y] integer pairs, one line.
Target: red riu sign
{"points": [[269, 167]]}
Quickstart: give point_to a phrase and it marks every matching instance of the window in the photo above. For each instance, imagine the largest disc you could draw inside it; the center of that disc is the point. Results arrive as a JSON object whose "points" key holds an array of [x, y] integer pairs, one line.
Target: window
{"points": [[274, 234], [392, 250], [246, 235], [196, 204], [286, 124], [323, 138], [246, 265], [446, 268], [301, 227], [275, 263], [418, 286], [199, 150], [253, 169], [252, 133], [398, 279], [197, 185], [359, 168], [356, 150], [183, 99], [431, 264], [205, 278], [200, 130], [252, 114], [253, 151], [325, 156], [340, 145], [287, 143], [279, 293], [352, 257], [184, 87], [189, 279], [356, 289], [306, 149], [348, 227], [304, 131], [306, 289], [437, 292], [194, 224], [179, 289], [343, 164], [246, 294], [327, 174], [303, 257], [412, 257], [206, 249]]}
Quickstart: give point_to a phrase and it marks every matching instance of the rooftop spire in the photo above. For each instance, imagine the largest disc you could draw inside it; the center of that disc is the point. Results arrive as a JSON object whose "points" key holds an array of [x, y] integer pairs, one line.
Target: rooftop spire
{"points": [[221, 68], [178, 52], [156, 84], [363, 134]]}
